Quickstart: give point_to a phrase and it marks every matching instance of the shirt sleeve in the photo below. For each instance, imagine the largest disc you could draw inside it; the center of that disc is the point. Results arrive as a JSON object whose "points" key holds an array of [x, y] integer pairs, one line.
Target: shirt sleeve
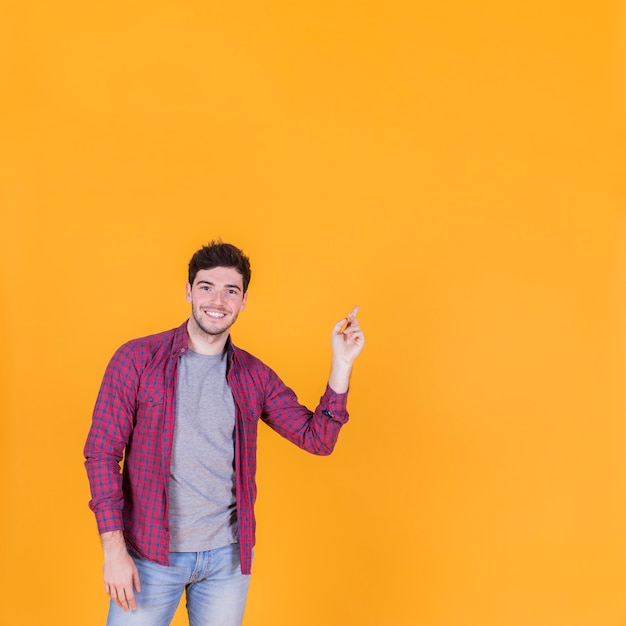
{"points": [[314, 431], [110, 431]]}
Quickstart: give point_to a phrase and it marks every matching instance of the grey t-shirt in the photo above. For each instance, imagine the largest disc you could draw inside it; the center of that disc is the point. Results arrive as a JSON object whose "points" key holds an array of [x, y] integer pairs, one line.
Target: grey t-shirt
{"points": [[203, 513]]}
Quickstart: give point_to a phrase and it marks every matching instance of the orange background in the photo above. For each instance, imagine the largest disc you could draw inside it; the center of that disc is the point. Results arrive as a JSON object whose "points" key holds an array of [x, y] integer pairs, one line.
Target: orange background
{"points": [[455, 168]]}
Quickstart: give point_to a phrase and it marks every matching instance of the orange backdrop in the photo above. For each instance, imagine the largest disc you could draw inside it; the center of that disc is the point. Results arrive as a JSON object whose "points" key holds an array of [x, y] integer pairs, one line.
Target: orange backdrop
{"points": [[455, 168]]}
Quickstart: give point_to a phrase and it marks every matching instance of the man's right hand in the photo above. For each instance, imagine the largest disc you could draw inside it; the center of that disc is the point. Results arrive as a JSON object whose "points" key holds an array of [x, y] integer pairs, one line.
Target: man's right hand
{"points": [[121, 578]]}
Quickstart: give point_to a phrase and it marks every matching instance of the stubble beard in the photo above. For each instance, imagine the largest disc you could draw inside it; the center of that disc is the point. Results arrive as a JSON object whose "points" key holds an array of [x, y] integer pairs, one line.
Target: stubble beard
{"points": [[197, 315]]}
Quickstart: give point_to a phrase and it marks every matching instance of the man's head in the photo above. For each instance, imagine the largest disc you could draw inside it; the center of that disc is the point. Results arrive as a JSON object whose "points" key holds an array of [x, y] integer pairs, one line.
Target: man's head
{"points": [[219, 254], [219, 275]]}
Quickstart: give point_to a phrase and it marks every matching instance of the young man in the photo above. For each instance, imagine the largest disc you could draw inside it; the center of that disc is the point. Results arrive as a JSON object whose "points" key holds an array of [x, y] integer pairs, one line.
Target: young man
{"points": [[181, 408]]}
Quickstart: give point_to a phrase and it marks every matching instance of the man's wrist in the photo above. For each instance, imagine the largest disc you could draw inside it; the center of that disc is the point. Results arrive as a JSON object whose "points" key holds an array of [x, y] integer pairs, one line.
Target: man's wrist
{"points": [[339, 379], [113, 541]]}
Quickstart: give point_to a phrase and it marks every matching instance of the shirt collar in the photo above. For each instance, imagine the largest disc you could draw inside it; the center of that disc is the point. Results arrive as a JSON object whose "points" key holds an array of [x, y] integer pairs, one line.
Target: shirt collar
{"points": [[180, 343]]}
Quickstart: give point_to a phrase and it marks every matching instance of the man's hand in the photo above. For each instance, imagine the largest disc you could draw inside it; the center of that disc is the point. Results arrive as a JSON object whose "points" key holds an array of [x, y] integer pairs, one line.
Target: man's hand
{"points": [[348, 339], [120, 573], [347, 342]]}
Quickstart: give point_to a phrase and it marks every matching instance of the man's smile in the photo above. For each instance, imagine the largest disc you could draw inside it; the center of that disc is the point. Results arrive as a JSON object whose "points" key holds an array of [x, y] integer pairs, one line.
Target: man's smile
{"points": [[218, 315]]}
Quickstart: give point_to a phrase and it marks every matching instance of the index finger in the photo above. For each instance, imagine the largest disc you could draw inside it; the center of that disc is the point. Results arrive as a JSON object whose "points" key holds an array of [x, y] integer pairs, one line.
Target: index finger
{"points": [[131, 600], [123, 598]]}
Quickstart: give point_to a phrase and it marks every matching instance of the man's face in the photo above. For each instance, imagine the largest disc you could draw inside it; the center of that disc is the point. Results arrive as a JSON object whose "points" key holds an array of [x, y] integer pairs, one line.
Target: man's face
{"points": [[216, 298]]}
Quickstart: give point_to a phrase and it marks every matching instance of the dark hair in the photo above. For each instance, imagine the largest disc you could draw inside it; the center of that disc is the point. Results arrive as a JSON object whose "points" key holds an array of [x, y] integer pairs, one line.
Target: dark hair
{"points": [[220, 254]]}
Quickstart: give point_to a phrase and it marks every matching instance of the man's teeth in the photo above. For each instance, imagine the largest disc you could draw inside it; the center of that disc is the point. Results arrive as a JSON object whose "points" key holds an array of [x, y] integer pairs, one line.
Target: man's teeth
{"points": [[216, 315]]}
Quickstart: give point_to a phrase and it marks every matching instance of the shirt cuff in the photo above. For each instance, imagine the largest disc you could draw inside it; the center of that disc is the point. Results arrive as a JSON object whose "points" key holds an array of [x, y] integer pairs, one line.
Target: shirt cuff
{"points": [[334, 405], [108, 521]]}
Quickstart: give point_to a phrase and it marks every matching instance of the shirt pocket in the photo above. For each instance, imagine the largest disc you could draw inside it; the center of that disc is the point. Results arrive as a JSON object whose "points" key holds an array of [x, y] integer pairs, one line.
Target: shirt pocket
{"points": [[251, 409], [150, 397], [150, 414], [150, 407]]}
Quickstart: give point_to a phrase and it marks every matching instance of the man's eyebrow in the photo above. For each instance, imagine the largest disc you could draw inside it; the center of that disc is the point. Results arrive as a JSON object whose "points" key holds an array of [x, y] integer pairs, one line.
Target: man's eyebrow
{"points": [[208, 282]]}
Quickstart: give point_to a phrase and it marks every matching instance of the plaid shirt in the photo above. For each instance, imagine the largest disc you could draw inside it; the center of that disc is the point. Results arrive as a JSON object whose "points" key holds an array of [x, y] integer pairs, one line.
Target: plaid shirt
{"points": [[134, 419]]}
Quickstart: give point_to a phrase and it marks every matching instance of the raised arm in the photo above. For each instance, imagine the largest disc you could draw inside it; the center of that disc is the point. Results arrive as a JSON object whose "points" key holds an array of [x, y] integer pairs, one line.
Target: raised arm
{"points": [[315, 431]]}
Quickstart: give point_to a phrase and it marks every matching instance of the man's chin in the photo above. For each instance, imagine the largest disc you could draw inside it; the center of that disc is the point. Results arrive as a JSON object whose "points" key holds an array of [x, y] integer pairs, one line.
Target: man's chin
{"points": [[215, 331], [218, 328], [213, 328]]}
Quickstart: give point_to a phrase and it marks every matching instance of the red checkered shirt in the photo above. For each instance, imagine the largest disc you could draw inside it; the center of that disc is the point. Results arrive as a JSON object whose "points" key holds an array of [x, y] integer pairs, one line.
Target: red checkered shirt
{"points": [[134, 419]]}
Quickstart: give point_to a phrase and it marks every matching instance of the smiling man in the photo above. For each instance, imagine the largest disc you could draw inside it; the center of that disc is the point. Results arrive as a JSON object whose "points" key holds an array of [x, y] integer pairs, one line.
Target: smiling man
{"points": [[182, 408]]}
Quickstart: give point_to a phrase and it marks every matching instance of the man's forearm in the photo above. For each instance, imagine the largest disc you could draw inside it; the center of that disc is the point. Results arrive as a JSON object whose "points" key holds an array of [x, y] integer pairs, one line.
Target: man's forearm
{"points": [[339, 379], [113, 541]]}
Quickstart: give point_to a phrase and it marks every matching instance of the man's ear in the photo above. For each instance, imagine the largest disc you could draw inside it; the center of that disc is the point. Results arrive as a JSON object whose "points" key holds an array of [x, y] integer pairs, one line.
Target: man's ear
{"points": [[243, 302], [188, 292]]}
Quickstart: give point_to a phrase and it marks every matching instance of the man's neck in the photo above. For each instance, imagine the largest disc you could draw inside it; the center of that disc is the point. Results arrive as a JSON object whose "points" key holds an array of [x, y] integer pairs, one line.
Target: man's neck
{"points": [[203, 343]]}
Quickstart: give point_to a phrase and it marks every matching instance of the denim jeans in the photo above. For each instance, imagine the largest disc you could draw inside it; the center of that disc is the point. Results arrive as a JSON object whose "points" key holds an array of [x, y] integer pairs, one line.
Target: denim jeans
{"points": [[216, 590]]}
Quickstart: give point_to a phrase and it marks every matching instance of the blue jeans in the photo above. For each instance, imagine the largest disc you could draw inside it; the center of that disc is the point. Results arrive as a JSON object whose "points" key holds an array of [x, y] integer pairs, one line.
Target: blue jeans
{"points": [[216, 590]]}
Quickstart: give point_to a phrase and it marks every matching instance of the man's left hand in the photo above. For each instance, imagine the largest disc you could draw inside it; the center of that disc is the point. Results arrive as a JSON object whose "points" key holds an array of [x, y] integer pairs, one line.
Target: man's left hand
{"points": [[348, 338]]}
